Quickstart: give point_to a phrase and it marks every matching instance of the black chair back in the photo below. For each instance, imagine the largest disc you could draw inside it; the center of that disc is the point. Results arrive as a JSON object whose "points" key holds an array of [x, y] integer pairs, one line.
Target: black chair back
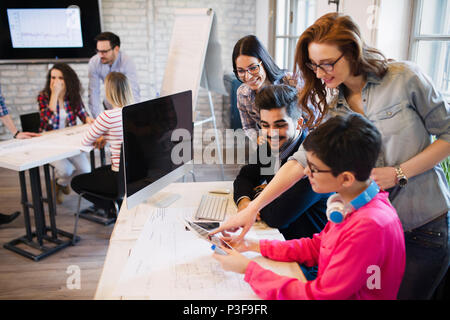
{"points": [[30, 122]]}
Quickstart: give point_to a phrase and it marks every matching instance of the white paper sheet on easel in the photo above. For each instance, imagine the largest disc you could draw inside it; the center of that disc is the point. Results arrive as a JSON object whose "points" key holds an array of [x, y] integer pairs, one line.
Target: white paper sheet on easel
{"points": [[169, 262]]}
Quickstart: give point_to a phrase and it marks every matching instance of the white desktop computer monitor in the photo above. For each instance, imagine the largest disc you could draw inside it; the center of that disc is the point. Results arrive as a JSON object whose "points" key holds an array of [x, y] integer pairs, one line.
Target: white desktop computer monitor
{"points": [[157, 145]]}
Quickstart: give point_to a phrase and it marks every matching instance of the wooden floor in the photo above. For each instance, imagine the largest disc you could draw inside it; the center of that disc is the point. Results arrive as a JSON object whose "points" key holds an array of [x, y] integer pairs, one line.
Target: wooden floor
{"points": [[22, 278]]}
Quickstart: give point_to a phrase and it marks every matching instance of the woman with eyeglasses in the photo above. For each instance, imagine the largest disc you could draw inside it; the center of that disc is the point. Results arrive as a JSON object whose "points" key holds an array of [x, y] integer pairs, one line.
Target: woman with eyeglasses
{"points": [[255, 68], [343, 75]]}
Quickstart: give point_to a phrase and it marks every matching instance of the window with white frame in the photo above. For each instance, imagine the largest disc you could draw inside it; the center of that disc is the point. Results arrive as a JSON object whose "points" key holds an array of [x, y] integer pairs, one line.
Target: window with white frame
{"points": [[430, 41], [292, 17]]}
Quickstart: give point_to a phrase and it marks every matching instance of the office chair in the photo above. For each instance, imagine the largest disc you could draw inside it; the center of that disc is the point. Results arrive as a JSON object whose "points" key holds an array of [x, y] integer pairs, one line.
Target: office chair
{"points": [[93, 208], [30, 122], [114, 200]]}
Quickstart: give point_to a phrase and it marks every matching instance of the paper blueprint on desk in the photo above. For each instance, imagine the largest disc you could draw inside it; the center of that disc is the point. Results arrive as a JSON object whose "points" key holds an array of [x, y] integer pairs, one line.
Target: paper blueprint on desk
{"points": [[168, 262]]}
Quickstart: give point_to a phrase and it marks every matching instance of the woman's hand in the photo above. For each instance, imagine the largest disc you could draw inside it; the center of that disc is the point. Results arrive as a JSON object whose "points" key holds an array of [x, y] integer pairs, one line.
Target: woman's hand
{"points": [[245, 219], [233, 261], [27, 135], [385, 177], [57, 88], [89, 120], [100, 142]]}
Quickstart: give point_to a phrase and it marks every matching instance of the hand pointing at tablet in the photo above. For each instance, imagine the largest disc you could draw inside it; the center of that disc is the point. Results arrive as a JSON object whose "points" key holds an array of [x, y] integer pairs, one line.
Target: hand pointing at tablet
{"points": [[244, 219]]}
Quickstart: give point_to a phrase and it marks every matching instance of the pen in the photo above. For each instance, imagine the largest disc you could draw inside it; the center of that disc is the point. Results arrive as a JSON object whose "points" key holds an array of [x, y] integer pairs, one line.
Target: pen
{"points": [[218, 250]]}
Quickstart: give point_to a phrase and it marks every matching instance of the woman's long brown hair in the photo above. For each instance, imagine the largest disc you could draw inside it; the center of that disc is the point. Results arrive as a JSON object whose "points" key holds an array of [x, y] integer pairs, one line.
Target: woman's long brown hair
{"points": [[342, 31], [72, 82]]}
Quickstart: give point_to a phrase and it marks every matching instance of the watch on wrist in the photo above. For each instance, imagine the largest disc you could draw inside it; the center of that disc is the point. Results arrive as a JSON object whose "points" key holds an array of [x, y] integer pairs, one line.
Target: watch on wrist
{"points": [[402, 179], [15, 135]]}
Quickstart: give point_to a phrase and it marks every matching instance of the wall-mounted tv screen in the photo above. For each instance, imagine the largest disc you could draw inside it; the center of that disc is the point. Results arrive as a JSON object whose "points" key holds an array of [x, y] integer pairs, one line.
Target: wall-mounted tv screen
{"points": [[34, 31]]}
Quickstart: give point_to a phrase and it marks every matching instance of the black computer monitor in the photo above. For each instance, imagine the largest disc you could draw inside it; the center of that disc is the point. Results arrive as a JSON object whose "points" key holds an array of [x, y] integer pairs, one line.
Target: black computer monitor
{"points": [[30, 122], [157, 144]]}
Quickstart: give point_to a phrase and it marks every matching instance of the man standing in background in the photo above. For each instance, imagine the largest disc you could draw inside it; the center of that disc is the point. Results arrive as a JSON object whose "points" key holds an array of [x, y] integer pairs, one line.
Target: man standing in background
{"points": [[109, 58]]}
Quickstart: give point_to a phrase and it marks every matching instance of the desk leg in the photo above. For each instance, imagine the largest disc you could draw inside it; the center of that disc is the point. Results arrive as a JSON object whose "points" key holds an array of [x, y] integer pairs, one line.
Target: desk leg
{"points": [[50, 201], [26, 211], [54, 242], [36, 191]]}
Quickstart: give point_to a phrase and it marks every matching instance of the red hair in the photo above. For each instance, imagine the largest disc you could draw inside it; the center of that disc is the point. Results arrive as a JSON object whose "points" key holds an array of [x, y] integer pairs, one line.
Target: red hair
{"points": [[342, 31]]}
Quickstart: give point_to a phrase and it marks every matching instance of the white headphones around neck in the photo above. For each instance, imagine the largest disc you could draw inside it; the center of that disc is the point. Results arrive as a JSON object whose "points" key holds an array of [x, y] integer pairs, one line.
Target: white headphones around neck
{"points": [[337, 210]]}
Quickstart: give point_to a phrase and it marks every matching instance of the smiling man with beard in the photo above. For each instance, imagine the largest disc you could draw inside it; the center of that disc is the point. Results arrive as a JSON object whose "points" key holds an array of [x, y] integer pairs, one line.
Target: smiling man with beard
{"points": [[299, 212]]}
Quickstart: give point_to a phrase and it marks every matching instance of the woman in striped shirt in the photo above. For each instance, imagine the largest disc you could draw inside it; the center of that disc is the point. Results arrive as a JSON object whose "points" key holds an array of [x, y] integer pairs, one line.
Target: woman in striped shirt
{"points": [[107, 128]]}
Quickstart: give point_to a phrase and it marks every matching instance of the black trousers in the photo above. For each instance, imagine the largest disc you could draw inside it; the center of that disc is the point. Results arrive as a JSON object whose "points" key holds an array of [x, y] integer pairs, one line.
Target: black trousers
{"points": [[102, 181]]}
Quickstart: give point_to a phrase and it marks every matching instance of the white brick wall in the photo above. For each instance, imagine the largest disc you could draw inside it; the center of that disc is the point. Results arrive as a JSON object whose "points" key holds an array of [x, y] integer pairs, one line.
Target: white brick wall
{"points": [[144, 27]]}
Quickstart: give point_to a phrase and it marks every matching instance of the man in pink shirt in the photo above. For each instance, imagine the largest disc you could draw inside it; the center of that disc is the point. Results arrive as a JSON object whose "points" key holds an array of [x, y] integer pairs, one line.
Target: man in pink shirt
{"points": [[361, 251]]}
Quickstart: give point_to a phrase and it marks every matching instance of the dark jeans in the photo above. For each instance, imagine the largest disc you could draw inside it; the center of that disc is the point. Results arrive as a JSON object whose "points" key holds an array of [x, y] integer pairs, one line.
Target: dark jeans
{"points": [[101, 181], [307, 224], [427, 259]]}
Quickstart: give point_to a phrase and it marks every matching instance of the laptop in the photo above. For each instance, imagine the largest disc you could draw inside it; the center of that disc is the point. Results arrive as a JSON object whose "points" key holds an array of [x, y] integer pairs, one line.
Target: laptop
{"points": [[30, 122]]}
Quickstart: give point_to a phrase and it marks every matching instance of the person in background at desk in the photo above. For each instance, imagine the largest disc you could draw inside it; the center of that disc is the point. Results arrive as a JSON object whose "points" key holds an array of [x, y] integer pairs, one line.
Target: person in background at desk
{"points": [[361, 250], [109, 58], [299, 212], [60, 104], [255, 68], [9, 123], [107, 128]]}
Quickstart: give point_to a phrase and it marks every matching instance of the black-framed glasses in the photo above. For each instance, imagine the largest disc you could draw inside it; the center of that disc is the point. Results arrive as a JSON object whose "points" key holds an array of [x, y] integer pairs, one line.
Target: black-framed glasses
{"points": [[252, 70], [315, 170], [327, 67], [103, 51]]}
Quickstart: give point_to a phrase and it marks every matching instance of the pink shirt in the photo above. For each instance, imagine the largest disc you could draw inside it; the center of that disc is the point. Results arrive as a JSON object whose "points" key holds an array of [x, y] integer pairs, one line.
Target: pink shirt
{"points": [[108, 124], [361, 258]]}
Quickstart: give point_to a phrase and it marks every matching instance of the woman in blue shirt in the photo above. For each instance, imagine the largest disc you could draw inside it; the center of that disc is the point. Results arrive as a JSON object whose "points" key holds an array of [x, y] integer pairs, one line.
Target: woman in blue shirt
{"points": [[341, 75]]}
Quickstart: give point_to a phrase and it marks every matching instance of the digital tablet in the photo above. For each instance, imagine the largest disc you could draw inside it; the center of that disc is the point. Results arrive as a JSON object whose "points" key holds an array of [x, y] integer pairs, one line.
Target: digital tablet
{"points": [[204, 234]]}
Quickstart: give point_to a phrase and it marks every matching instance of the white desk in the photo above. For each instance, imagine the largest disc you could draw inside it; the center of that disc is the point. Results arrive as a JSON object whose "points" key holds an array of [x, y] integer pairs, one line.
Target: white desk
{"points": [[20, 155], [30, 154], [129, 229]]}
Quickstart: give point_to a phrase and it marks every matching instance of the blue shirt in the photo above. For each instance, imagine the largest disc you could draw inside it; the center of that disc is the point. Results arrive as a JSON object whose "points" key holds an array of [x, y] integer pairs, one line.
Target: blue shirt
{"points": [[3, 110], [98, 71], [407, 109]]}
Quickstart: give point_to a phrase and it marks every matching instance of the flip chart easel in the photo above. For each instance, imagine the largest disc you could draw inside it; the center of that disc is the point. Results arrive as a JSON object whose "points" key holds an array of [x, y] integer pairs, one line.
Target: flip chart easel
{"points": [[194, 60]]}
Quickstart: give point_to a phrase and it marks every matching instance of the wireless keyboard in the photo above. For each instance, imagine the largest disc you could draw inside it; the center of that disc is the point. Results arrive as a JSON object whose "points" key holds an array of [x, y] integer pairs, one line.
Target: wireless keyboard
{"points": [[212, 207]]}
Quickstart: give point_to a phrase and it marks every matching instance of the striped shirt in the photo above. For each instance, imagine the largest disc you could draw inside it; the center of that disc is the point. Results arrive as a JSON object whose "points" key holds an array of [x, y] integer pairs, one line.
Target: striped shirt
{"points": [[109, 125]]}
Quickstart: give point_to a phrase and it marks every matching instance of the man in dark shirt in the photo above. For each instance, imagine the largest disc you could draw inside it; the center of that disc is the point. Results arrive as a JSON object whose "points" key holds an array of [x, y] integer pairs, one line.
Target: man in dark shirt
{"points": [[298, 212]]}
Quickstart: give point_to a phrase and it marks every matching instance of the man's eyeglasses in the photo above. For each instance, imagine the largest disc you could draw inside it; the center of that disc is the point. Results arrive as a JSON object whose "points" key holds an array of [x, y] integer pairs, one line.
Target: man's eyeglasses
{"points": [[103, 51], [314, 170], [252, 70], [327, 67]]}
